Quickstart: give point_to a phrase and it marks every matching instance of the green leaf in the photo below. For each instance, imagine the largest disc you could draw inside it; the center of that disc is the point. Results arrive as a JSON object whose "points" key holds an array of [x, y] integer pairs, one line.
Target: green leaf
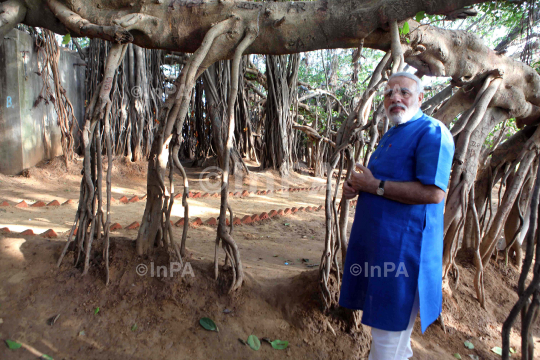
{"points": [[254, 342], [469, 345], [512, 351], [408, 41], [134, 327], [96, 311], [13, 345], [497, 350], [279, 344], [420, 16], [405, 28], [45, 357], [66, 39], [457, 356], [208, 324]]}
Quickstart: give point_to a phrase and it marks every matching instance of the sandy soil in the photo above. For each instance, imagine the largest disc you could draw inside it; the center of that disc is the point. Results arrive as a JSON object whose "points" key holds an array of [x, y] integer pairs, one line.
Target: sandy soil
{"points": [[144, 317]]}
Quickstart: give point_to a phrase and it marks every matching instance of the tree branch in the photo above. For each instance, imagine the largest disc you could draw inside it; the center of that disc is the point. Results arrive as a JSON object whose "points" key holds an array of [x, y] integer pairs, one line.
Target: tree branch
{"points": [[82, 27], [12, 12]]}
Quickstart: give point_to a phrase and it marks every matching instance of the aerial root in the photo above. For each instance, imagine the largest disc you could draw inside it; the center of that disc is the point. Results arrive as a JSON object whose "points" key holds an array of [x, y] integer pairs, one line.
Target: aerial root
{"points": [[89, 217], [223, 232]]}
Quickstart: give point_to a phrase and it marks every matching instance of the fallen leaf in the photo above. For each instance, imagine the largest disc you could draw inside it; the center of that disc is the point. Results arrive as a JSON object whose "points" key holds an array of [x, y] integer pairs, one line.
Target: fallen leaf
{"points": [[497, 350], [13, 345], [279, 344], [254, 342], [208, 324], [469, 345]]}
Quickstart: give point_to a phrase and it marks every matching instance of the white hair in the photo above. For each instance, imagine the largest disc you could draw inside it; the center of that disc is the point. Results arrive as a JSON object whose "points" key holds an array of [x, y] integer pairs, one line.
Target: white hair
{"points": [[419, 86]]}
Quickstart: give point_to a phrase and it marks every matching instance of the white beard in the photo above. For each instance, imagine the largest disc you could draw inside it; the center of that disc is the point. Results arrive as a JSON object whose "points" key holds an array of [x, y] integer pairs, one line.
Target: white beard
{"points": [[403, 117]]}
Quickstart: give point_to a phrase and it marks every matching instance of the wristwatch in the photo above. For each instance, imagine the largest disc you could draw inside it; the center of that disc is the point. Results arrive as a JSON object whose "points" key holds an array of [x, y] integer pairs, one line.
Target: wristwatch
{"points": [[380, 189]]}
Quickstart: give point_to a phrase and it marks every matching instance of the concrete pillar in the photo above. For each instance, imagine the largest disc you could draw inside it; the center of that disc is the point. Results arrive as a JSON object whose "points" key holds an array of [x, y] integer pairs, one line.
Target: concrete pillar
{"points": [[28, 132]]}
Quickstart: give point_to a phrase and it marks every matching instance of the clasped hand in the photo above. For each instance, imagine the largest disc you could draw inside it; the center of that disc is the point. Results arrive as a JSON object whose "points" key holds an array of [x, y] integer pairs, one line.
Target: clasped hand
{"points": [[360, 180]]}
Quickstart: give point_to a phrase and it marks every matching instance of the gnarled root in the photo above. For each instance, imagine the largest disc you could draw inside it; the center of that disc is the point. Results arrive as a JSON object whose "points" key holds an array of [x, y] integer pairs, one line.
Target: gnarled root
{"points": [[89, 217], [229, 245], [527, 307], [160, 196]]}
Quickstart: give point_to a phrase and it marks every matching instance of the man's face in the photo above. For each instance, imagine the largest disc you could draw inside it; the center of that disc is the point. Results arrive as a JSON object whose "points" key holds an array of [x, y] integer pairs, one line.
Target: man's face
{"points": [[401, 99]]}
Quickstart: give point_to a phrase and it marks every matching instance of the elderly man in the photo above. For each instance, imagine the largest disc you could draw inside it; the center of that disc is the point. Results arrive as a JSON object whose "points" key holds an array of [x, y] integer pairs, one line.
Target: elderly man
{"points": [[394, 259]]}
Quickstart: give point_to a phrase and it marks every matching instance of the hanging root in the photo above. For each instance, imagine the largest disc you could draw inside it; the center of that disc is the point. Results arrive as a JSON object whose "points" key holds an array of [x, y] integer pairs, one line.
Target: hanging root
{"points": [[328, 259], [229, 245], [173, 115], [479, 276], [49, 50], [82, 27], [470, 124], [184, 195], [89, 217], [397, 51], [525, 161], [524, 305]]}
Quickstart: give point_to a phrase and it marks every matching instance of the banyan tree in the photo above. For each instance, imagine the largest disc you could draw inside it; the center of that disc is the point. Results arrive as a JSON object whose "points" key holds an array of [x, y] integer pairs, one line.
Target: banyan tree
{"points": [[487, 89]]}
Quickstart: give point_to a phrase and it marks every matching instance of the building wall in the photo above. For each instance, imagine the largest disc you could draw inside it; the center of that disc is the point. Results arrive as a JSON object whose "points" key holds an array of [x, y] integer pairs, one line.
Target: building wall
{"points": [[28, 133]]}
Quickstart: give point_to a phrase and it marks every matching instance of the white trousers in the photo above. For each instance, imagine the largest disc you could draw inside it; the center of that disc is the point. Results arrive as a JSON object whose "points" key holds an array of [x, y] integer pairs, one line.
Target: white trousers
{"points": [[393, 345]]}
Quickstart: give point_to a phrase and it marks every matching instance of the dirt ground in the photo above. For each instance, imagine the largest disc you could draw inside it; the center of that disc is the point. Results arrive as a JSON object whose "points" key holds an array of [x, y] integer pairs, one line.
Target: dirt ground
{"points": [[145, 317]]}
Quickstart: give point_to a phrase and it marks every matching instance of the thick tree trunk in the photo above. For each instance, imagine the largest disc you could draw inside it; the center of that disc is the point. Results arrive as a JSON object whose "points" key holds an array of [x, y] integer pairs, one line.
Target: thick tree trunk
{"points": [[282, 75], [140, 103], [217, 88]]}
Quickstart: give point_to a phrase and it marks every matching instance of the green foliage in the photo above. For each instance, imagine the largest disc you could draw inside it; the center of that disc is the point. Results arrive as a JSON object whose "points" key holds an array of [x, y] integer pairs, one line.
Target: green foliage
{"points": [[208, 324], [254, 342], [66, 39], [279, 344], [536, 66], [511, 129], [404, 30], [13, 345]]}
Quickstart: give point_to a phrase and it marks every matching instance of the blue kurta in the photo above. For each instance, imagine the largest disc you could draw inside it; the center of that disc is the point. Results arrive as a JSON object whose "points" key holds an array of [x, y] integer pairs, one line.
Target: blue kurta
{"points": [[405, 240]]}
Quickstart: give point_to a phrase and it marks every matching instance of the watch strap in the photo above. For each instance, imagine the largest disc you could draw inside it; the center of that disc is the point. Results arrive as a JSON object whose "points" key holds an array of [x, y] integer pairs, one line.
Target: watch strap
{"points": [[380, 190]]}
